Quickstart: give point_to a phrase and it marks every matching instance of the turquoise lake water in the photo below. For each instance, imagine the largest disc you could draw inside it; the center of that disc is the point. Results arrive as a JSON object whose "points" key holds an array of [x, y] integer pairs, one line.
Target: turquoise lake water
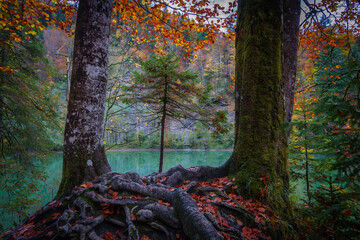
{"points": [[141, 162]]}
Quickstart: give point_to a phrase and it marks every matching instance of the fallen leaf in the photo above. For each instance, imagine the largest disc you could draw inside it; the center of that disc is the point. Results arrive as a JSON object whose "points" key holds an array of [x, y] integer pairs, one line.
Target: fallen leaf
{"points": [[227, 237], [164, 203], [109, 236], [48, 234], [347, 212], [223, 222], [261, 209]]}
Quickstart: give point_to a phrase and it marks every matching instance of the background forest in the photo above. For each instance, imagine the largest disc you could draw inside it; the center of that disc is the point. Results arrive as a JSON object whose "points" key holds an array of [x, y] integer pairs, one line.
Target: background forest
{"points": [[324, 146]]}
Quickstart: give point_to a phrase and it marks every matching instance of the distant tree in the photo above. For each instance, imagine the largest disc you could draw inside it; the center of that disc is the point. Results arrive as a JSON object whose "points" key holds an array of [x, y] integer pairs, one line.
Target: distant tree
{"points": [[325, 140], [170, 93]]}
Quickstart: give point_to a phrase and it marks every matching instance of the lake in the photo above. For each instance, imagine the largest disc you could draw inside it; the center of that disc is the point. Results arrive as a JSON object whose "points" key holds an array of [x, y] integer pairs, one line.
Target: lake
{"points": [[141, 162]]}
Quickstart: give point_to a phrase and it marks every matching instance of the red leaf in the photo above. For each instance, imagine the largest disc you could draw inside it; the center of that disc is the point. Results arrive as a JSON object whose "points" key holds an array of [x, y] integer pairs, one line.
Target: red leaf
{"points": [[115, 195], [52, 203], [53, 216], [163, 203], [145, 238], [89, 184], [223, 221], [226, 236], [109, 236], [23, 229], [261, 209], [58, 204], [347, 212], [49, 233]]}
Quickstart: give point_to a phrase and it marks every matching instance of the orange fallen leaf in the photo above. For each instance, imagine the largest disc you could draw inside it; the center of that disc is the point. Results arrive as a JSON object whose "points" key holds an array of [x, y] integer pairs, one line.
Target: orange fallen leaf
{"points": [[163, 203], [109, 236], [261, 209]]}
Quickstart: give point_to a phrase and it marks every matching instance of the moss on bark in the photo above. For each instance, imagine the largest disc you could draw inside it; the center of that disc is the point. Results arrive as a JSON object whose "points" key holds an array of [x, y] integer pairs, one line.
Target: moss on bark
{"points": [[260, 149]]}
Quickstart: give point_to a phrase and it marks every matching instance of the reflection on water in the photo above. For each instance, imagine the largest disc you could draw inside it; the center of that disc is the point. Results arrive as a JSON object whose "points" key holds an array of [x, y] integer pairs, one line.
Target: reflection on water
{"points": [[147, 162], [142, 162]]}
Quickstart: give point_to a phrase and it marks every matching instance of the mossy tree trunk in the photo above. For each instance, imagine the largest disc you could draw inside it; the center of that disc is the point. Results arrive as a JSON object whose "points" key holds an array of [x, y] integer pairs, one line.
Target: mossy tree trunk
{"points": [[259, 159], [84, 155]]}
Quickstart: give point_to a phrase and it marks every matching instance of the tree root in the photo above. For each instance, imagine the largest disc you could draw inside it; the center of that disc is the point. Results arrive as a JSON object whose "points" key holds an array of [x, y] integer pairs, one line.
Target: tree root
{"points": [[194, 223], [155, 207], [132, 230], [178, 174]]}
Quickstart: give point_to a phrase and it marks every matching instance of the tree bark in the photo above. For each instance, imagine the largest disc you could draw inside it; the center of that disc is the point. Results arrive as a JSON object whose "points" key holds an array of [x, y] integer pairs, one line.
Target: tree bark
{"points": [[163, 119], [84, 155], [238, 72], [260, 149], [2, 77], [290, 49]]}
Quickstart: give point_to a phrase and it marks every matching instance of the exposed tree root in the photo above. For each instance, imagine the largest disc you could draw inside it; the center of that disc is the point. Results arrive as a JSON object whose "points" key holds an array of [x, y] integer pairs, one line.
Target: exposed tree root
{"points": [[177, 204]]}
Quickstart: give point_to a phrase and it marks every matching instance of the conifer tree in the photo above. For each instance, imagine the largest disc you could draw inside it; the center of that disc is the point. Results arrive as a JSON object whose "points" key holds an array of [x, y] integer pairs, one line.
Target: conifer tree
{"points": [[169, 93]]}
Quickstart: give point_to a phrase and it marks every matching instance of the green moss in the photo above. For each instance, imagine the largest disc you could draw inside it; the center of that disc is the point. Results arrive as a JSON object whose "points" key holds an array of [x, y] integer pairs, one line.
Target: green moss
{"points": [[260, 147], [93, 205]]}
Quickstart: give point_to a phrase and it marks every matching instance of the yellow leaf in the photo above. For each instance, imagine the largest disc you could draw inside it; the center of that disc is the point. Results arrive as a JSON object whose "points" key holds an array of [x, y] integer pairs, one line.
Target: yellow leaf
{"points": [[32, 33]]}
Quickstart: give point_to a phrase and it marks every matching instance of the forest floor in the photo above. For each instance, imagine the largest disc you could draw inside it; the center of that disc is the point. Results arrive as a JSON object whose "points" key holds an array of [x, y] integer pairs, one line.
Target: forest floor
{"points": [[177, 204]]}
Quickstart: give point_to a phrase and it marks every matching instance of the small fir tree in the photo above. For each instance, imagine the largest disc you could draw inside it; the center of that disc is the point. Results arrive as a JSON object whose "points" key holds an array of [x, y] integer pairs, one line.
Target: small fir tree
{"points": [[165, 92]]}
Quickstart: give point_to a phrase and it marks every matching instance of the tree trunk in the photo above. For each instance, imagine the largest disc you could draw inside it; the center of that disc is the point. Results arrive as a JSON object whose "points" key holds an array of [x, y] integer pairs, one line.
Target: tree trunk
{"points": [[238, 72], [260, 149], [2, 77], [84, 155], [290, 48], [163, 119], [162, 144]]}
